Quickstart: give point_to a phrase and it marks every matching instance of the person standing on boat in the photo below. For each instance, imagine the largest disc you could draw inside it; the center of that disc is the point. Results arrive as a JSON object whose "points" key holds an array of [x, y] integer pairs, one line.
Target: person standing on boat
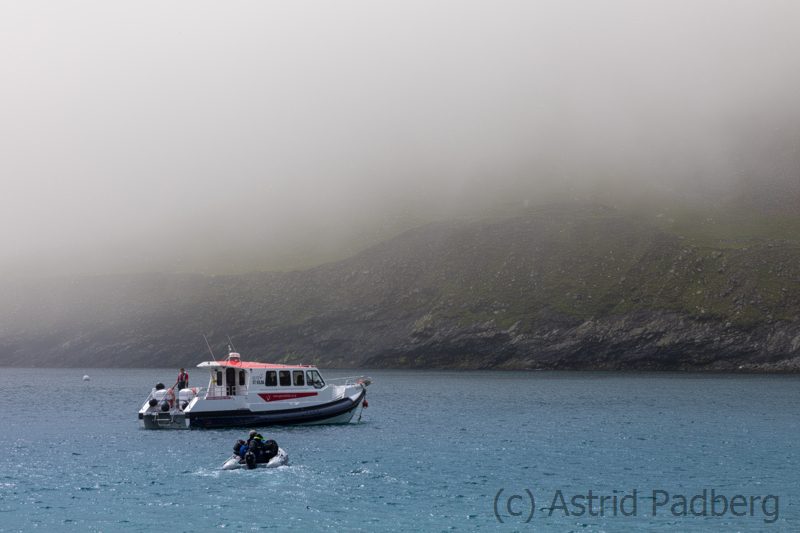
{"points": [[183, 380]]}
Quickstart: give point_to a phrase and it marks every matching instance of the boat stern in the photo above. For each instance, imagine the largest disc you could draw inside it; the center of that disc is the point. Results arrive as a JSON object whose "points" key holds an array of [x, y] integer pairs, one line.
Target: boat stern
{"points": [[164, 409]]}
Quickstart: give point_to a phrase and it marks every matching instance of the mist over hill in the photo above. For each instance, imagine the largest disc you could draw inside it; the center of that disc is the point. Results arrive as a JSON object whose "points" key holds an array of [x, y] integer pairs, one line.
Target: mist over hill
{"points": [[280, 136], [463, 183], [563, 286]]}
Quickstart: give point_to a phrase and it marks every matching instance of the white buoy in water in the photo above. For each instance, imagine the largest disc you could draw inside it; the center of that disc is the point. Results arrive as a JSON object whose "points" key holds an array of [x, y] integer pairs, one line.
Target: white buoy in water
{"points": [[86, 378]]}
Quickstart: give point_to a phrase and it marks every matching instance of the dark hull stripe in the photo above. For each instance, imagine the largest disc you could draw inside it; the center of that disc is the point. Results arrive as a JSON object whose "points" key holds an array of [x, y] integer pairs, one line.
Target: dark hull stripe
{"points": [[248, 418]]}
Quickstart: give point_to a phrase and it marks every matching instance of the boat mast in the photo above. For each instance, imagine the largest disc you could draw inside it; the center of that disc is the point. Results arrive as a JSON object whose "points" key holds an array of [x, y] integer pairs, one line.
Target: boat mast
{"points": [[209, 348]]}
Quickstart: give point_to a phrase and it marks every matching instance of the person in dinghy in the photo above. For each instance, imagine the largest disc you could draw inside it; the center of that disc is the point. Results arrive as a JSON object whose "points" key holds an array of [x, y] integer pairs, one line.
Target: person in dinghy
{"points": [[256, 451]]}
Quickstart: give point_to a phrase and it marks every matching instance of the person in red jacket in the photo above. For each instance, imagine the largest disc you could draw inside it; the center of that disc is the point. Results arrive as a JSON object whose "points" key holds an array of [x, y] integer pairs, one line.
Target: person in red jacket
{"points": [[183, 380]]}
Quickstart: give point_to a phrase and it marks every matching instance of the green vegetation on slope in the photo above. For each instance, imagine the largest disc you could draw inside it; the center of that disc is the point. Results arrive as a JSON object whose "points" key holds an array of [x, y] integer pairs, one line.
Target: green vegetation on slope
{"points": [[456, 287]]}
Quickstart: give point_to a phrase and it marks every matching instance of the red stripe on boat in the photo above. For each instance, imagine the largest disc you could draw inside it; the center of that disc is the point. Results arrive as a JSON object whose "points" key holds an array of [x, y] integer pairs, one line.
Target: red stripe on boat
{"points": [[284, 396], [251, 364]]}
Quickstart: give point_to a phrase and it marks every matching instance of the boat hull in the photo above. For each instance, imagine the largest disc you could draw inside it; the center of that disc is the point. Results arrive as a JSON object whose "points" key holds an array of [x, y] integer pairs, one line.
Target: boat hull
{"points": [[168, 420], [337, 412]]}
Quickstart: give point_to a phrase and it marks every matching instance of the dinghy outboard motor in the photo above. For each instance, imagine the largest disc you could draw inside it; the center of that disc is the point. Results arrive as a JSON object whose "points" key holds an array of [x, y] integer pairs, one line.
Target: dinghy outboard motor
{"points": [[250, 459]]}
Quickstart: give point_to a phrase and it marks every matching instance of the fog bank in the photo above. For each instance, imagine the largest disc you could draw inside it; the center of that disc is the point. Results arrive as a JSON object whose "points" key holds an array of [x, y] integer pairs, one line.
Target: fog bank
{"points": [[222, 137]]}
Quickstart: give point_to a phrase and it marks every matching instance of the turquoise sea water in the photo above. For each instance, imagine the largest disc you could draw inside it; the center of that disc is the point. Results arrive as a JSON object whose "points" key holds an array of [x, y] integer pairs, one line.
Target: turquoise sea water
{"points": [[435, 451]]}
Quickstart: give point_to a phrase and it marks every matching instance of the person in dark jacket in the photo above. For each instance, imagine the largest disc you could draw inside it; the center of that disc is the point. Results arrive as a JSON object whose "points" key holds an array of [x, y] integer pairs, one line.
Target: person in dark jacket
{"points": [[255, 438]]}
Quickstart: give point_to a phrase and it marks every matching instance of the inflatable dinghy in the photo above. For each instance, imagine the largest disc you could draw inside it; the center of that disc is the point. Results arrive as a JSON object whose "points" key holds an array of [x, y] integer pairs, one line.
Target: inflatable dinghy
{"points": [[237, 462]]}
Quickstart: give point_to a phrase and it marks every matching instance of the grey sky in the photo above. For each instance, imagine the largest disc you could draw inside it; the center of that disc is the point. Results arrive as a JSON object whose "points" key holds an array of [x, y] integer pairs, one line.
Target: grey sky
{"points": [[161, 135]]}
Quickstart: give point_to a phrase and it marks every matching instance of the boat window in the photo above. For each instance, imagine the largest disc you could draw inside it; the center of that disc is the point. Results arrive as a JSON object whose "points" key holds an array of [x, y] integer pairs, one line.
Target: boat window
{"points": [[285, 378], [313, 378], [219, 378], [241, 377], [272, 379], [230, 381], [298, 379]]}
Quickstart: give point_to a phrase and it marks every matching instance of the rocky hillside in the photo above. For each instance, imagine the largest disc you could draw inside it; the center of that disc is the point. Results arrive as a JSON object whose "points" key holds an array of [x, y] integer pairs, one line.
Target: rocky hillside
{"points": [[565, 287]]}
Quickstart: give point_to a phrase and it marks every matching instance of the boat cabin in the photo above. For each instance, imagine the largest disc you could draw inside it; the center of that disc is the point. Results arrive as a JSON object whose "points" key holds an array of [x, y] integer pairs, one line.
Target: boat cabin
{"points": [[233, 377]]}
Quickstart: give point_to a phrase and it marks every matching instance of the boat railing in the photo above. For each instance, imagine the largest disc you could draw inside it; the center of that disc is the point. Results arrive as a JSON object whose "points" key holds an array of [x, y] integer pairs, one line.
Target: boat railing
{"points": [[172, 396], [349, 380], [223, 391], [150, 396], [215, 391], [169, 395]]}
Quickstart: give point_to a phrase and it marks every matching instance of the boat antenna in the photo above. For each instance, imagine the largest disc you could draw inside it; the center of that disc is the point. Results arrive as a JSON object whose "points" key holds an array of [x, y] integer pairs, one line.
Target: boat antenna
{"points": [[230, 342], [209, 348]]}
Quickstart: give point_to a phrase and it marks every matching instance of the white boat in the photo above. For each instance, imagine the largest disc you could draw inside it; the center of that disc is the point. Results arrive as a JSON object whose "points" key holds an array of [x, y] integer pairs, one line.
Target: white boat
{"points": [[236, 462], [251, 394]]}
